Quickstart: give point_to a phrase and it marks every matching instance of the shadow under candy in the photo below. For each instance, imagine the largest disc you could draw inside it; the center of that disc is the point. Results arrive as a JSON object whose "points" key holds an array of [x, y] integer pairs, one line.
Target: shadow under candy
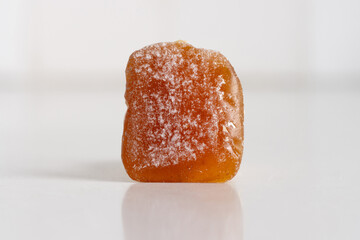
{"points": [[104, 170], [182, 211]]}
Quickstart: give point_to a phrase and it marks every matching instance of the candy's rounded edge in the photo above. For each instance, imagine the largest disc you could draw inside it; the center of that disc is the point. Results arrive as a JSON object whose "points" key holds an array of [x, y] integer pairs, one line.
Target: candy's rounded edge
{"points": [[242, 115]]}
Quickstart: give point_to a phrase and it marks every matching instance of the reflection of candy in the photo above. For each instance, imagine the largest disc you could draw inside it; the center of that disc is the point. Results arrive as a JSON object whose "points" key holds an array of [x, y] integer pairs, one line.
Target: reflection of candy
{"points": [[182, 211], [184, 121]]}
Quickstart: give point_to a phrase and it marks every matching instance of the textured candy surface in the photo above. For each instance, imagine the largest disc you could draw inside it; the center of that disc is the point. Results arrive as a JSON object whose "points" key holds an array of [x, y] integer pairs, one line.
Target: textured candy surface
{"points": [[184, 121]]}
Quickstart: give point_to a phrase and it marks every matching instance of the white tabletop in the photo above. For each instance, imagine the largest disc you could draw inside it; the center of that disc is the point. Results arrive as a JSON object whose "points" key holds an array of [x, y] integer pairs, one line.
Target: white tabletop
{"points": [[61, 175]]}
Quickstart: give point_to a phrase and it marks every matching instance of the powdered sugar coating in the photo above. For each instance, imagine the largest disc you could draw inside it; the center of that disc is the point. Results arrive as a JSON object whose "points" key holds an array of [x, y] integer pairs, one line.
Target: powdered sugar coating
{"points": [[178, 108]]}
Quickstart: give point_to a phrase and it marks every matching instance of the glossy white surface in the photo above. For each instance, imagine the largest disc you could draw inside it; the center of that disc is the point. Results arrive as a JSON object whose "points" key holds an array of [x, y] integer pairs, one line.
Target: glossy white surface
{"points": [[61, 175]]}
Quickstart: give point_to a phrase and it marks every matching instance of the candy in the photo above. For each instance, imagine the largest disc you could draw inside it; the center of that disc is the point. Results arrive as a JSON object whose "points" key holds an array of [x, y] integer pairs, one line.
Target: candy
{"points": [[184, 121]]}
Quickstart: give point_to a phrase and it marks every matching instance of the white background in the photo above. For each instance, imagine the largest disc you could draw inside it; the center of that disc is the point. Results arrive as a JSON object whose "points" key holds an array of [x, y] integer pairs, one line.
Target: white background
{"points": [[267, 41], [62, 107]]}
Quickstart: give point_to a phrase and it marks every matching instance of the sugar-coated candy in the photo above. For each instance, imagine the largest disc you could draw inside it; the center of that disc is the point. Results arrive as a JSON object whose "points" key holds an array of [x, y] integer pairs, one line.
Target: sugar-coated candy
{"points": [[184, 121]]}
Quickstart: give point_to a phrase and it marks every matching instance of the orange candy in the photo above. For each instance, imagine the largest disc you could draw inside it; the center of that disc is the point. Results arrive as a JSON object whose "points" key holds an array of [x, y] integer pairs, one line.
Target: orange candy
{"points": [[184, 121]]}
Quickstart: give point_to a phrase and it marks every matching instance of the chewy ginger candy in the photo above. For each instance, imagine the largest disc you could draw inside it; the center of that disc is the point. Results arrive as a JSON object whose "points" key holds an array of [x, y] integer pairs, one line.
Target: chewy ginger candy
{"points": [[184, 121]]}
